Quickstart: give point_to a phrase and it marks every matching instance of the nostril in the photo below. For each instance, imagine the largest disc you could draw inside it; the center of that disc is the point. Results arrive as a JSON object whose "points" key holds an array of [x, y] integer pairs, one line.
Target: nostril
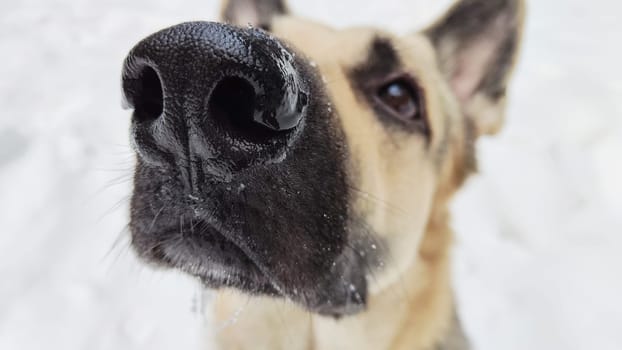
{"points": [[232, 107], [233, 101], [147, 96]]}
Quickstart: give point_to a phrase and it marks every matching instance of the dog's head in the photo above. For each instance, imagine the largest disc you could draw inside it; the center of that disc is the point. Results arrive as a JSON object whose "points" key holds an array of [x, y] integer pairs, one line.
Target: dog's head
{"points": [[292, 159]]}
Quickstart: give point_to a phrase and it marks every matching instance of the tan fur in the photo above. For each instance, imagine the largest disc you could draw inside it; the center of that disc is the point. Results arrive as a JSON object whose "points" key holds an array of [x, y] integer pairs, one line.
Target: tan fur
{"points": [[403, 190]]}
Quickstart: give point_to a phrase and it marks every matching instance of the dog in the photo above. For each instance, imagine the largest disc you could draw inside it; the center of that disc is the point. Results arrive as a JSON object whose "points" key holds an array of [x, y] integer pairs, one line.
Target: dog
{"points": [[306, 172]]}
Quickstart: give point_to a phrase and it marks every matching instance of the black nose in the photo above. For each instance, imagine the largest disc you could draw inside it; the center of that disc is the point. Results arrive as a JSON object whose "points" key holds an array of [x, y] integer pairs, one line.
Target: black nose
{"points": [[214, 96]]}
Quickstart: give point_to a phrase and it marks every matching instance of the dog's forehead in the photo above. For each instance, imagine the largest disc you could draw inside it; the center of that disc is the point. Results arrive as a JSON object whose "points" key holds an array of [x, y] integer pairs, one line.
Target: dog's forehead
{"points": [[349, 46], [318, 41]]}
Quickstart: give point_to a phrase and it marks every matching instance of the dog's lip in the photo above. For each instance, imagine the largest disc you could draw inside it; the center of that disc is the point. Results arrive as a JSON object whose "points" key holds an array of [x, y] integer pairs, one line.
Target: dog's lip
{"points": [[197, 252], [217, 274]]}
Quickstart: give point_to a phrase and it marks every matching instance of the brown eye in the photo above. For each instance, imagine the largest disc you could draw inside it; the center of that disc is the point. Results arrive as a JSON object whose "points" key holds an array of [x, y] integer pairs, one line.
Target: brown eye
{"points": [[401, 98]]}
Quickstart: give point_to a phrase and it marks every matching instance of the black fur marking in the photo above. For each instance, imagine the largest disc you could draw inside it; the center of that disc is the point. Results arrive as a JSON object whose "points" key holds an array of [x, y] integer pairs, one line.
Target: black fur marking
{"points": [[382, 60], [265, 217]]}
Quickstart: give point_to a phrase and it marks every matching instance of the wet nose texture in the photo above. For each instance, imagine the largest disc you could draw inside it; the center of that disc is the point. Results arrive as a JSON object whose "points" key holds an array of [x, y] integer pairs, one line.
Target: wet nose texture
{"points": [[214, 99]]}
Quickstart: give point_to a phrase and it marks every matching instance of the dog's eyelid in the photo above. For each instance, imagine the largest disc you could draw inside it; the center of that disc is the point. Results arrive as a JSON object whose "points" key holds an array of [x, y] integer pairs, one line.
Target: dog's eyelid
{"points": [[411, 113]]}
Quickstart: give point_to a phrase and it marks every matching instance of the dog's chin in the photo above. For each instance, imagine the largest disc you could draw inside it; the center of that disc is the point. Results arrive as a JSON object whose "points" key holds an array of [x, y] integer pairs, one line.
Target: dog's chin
{"points": [[220, 263]]}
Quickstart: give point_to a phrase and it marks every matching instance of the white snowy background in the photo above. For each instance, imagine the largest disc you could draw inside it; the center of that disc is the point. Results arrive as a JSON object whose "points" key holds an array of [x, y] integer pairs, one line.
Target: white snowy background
{"points": [[538, 261]]}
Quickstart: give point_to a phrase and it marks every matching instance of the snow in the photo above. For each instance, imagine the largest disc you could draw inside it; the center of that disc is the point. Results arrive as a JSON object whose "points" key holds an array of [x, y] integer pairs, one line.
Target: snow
{"points": [[538, 231]]}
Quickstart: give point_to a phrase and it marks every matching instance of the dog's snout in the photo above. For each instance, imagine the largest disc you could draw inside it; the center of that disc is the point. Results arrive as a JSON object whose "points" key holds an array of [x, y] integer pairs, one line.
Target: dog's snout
{"points": [[221, 96]]}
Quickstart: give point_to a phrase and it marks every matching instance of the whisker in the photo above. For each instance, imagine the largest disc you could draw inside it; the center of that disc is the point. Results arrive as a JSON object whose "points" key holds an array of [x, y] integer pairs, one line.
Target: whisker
{"points": [[119, 180], [155, 218], [368, 231], [116, 245], [375, 199], [113, 208]]}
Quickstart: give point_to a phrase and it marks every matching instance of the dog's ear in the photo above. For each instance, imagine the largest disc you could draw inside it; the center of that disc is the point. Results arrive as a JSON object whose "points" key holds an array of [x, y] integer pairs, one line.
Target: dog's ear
{"points": [[477, 43], [257, 13]]}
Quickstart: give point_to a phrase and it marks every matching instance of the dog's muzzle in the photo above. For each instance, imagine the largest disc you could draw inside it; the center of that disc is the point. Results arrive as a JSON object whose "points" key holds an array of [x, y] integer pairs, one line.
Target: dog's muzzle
{"points": [[241, 173]]}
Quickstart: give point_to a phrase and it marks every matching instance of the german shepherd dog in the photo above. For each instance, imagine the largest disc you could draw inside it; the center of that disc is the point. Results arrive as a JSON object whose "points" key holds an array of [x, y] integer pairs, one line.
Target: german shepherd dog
{"points": [[305, 171]]}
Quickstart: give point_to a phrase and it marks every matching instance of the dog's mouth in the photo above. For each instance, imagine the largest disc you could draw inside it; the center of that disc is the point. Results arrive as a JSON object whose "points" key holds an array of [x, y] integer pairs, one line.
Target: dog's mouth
{"points": [[210, 254], [205, 253]]}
